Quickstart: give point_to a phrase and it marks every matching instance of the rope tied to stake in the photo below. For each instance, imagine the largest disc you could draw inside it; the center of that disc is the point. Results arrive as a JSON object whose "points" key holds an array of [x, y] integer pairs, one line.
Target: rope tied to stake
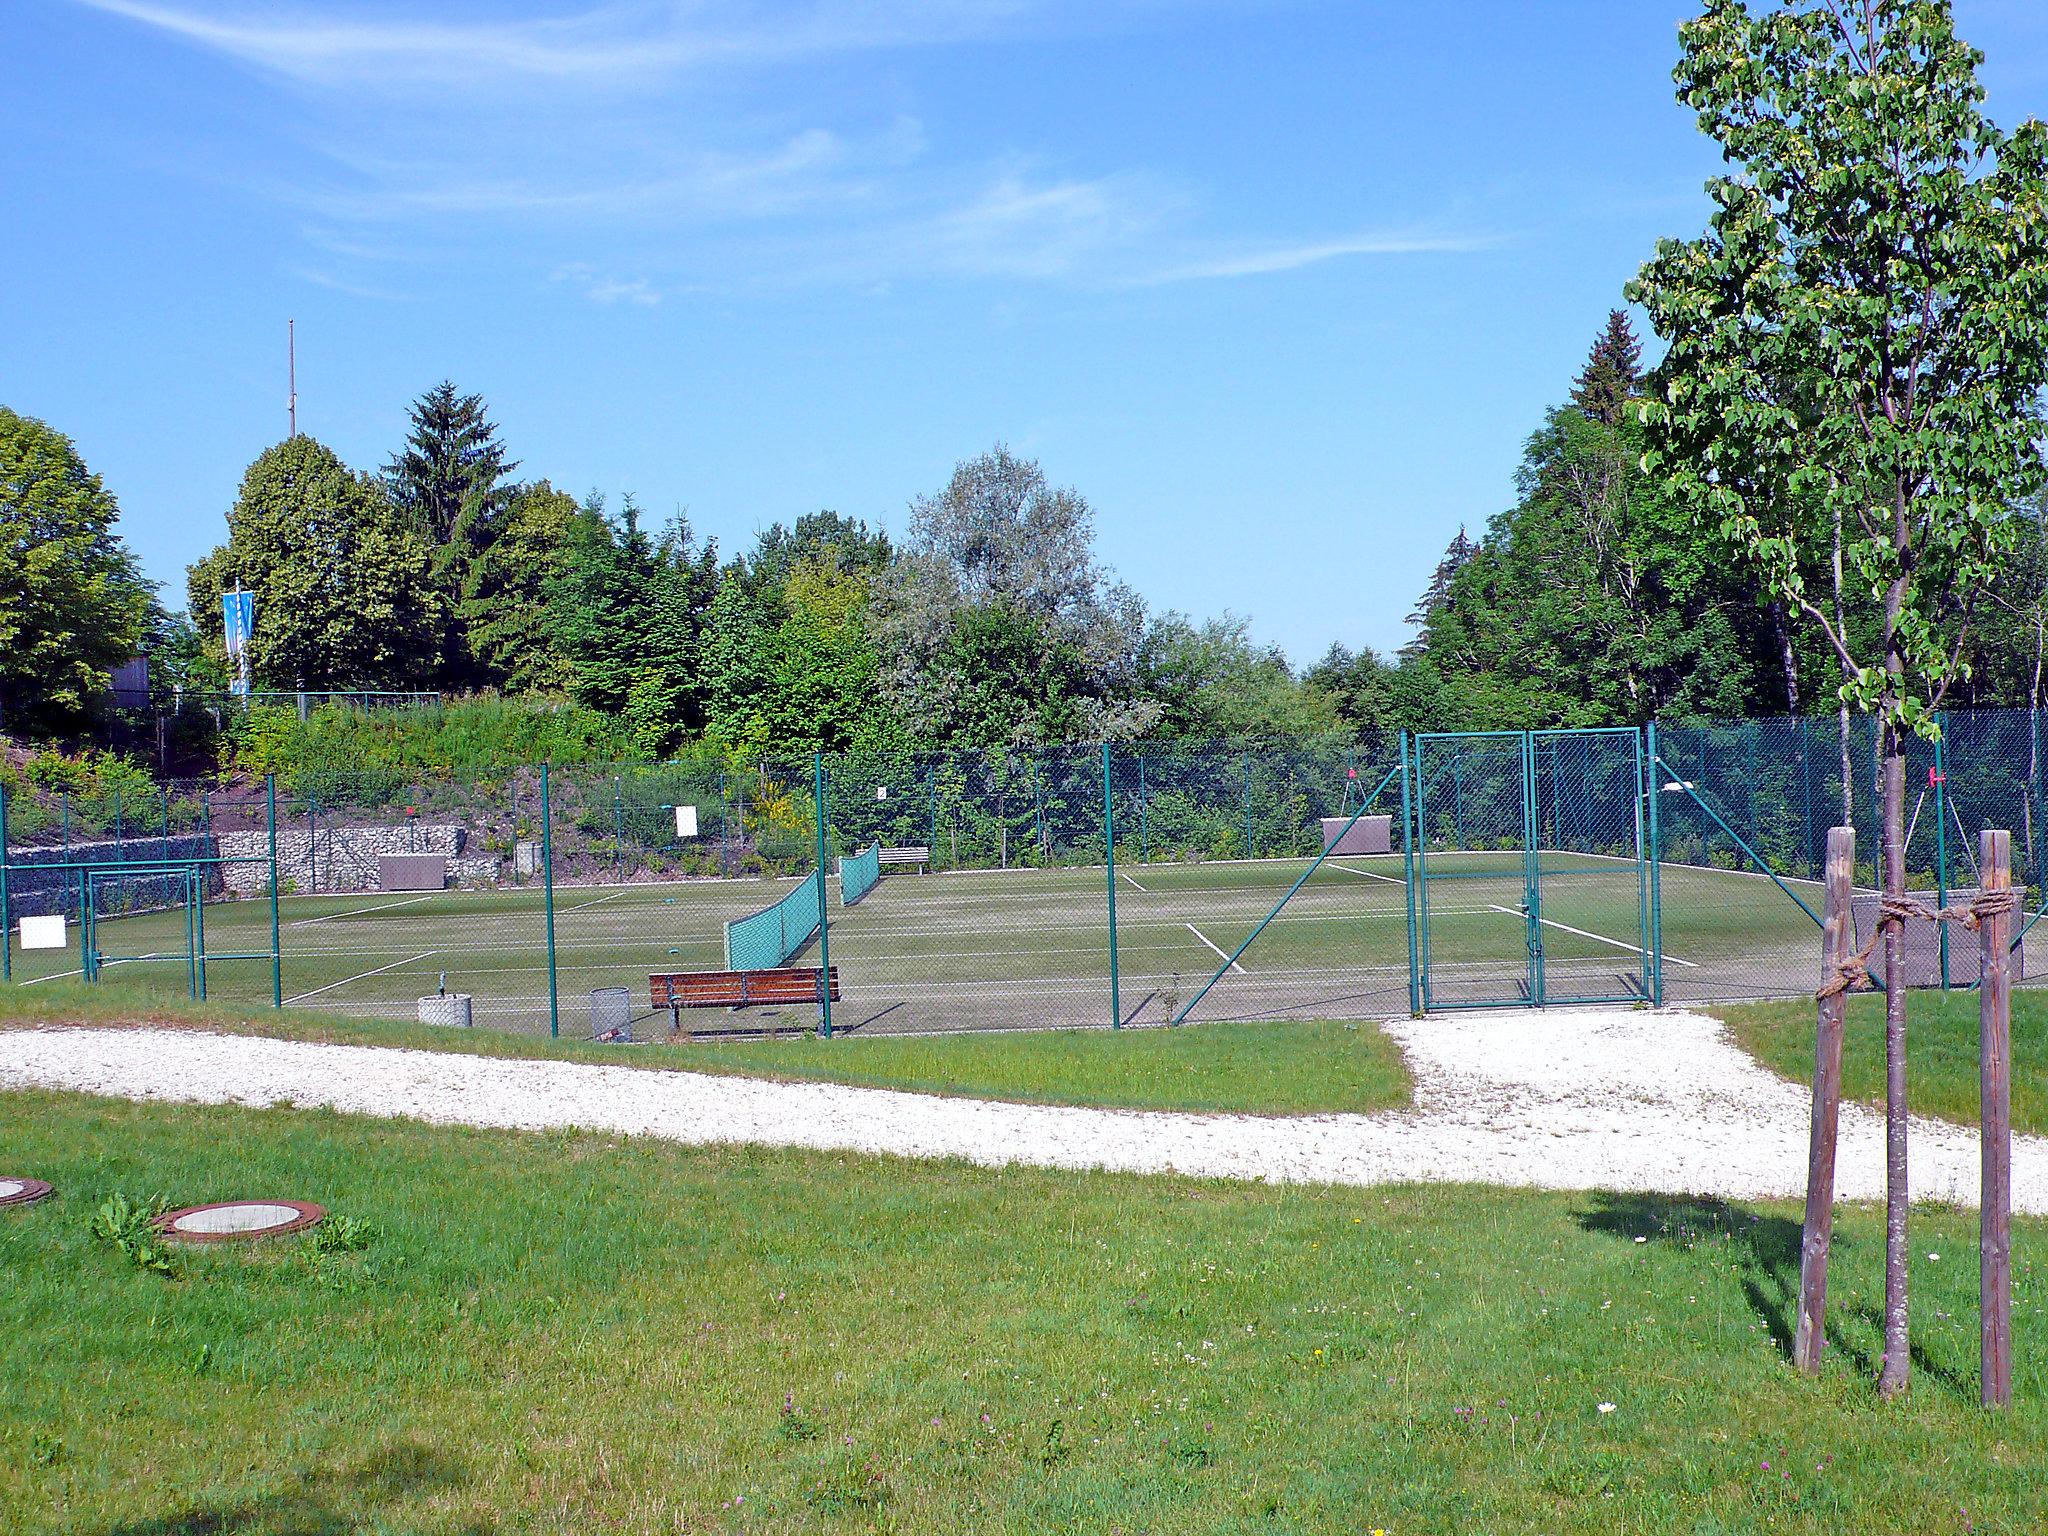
{"points": [[1854, 972]]}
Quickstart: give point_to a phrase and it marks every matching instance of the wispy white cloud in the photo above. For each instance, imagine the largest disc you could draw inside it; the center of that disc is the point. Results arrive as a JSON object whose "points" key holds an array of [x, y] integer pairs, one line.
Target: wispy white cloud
{"points": [[589, 143], [610, 44], [1265, 261], [604, 288]]}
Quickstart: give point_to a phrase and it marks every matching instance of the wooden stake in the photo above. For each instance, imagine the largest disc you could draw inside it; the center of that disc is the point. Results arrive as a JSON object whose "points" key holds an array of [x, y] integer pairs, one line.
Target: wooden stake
{"points": [[1838, 944], [1994, 1194]]}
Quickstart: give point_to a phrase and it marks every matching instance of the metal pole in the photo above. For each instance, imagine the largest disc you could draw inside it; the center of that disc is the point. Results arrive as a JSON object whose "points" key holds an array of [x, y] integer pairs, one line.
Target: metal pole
{"points": [[1941, 838], [618, 831], [1246, 759], [164, 800], [547, 876], [1116, 1000], [313, 841], [1643, 871], [276, 928], [824, 917], [1655, 789], [1531, 869], [6, 916], [1144, 816], [1407, 873]]}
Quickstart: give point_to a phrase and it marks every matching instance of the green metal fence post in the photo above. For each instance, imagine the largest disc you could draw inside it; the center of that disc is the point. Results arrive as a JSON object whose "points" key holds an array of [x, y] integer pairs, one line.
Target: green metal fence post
{"points": [[1407, 872], [6, 915], [1941, 838], [1247, 759], [547, 880], [276, 927], [618, 830], [313, 842], [1654, 781], [1643, 872], [164, 799], [1144, 816], [1116, 1000], [824, 917], [931, 800]]}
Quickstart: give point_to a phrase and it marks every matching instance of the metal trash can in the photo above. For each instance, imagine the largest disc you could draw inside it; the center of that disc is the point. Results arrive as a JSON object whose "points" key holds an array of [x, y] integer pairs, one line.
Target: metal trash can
{"points": [[451, 1009], [611, 1013]]}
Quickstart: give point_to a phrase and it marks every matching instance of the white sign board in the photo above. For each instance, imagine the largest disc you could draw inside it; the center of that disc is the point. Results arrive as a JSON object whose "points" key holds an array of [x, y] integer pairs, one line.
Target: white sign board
{"points": [[686, 821], [881, 791], [43, 932]]}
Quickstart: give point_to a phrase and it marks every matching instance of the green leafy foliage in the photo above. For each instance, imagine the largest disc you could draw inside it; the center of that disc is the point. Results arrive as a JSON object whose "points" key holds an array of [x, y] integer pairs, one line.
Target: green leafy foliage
{"points": [[344, 592], [73, 604], [128, 1225]]}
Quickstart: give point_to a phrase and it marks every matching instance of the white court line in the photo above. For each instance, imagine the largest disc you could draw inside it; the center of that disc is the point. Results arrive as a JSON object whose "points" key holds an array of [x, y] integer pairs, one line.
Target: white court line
{"points": [[384, 906], [615, 895], [1134, 884], [1597, 938], [1367, 874], [1191, 928], [108, 965], [394, 965]]}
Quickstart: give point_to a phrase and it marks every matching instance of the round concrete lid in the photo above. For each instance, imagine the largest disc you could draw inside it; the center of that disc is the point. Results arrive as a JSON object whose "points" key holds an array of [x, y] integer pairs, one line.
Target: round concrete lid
{"points": [[227, 1219], [22, 1191]]}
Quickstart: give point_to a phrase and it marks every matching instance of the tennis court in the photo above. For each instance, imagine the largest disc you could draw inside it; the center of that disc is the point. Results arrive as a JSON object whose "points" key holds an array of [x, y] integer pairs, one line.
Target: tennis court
{"points": [[978, 949]]}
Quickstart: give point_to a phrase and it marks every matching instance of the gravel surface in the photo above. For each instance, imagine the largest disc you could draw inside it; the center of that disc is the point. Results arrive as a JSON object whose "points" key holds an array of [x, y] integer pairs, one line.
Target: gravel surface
{"points": [[1560, 1100]]}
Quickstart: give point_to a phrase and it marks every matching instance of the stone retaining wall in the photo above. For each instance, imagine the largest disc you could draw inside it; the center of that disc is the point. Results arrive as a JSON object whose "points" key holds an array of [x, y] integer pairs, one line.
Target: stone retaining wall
{"points": [[344, 859]]}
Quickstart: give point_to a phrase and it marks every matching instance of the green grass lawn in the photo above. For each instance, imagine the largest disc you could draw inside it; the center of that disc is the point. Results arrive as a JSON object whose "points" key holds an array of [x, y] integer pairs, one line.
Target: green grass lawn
{"points": [[1941, 1051], [1274, 1069], [566, 1333]]}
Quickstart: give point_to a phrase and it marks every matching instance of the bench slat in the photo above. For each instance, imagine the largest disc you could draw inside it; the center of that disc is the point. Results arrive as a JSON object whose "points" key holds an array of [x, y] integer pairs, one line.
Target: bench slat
{"points": [[738, 989]]}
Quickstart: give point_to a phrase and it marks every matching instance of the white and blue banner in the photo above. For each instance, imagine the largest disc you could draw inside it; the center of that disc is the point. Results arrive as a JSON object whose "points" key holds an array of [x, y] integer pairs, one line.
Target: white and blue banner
{"points": [[238, 621]]}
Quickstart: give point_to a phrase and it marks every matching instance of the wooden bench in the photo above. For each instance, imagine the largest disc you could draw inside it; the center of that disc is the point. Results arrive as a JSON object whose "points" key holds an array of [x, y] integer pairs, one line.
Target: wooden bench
{"points": [[739, 989], [922, 857]]}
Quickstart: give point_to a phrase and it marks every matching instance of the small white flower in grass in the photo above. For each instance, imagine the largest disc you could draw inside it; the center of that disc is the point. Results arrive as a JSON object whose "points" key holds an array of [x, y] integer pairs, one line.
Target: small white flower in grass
{"points": [[1642, 1239], [1607, 1407], [1935, 1257]]}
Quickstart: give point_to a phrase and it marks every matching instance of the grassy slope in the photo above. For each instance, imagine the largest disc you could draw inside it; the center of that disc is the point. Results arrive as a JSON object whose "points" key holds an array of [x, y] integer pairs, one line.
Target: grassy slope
{"points": [[1941, 1051], [1249, 1068], [632, 1337]]}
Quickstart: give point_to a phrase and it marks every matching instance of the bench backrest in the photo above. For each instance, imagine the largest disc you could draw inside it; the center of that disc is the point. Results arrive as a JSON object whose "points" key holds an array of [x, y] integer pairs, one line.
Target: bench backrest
{"points": [[906, 855], [738, 989]]}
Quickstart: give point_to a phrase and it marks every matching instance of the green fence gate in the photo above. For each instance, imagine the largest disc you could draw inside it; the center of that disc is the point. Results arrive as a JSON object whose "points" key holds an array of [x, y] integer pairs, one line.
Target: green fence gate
{"points": [[1531, 882]]}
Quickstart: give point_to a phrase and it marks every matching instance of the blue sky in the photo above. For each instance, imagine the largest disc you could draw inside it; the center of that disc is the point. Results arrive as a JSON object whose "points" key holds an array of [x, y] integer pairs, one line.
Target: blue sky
{"points": [[1281, 288]]}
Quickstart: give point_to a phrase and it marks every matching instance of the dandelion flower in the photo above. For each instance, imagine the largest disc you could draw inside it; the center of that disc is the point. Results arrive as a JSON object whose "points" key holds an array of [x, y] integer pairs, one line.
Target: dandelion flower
{"points": [[1607, 1407]]}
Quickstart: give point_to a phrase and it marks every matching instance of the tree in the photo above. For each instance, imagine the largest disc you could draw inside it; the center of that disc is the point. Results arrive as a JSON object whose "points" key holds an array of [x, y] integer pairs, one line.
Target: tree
{"points": [[1863, 332], [1456, 557], [344, 597], [629, 614], [997, 589], [453, 482], [510, 635], [73, 604], [1212, 682], [1613, 373]]}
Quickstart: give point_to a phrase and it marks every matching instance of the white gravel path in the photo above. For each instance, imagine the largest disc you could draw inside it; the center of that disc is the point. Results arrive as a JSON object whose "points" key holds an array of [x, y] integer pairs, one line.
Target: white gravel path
{"points": [[1558, 1100]]}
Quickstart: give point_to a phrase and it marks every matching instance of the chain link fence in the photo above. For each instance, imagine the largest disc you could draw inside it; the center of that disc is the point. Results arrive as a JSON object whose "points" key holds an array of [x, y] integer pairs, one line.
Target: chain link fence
{"points": [[1147, 883]]}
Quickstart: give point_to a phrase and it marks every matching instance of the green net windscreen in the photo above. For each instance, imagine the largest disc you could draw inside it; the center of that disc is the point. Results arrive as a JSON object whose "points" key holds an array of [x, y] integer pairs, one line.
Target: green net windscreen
{"points": [[768, 938], [859, 874]]}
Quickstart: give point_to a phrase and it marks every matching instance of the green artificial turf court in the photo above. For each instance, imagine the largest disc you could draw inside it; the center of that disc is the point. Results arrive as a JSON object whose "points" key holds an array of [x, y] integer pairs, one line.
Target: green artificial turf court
{"points": [[1016, 948]]}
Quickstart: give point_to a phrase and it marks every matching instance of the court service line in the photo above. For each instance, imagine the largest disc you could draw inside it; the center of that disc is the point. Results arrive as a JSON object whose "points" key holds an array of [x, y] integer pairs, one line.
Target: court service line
{"points": [[600, 901], [1367, 874], [1597, 938], [382, 906], [1134, 884], [1191, 928], [394, 965]]}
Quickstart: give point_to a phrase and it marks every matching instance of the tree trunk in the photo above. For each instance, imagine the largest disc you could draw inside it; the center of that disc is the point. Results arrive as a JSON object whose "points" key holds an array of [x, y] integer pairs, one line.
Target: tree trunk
{"points": [[1787, 661], [1848, 773], [1897, 1370]]}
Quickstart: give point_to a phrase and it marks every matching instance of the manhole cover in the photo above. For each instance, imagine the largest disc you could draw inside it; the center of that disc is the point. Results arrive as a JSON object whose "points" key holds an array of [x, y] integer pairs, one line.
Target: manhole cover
{"points": [[238, 1218], [22, 1191]]}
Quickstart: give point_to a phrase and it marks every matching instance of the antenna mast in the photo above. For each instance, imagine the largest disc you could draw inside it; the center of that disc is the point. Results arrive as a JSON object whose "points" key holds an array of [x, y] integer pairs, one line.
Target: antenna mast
{"points": [[291, 369]]}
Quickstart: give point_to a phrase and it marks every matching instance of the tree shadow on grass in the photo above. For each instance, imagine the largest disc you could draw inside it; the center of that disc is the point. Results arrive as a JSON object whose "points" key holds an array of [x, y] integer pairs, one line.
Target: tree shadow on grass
{"points": [[1765, 1248], [325, 1501]]}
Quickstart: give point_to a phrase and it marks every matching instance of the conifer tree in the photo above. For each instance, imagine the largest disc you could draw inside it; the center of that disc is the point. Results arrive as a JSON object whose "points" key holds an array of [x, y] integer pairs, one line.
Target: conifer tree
{"points": [[1456, 557], [1613, 373]]}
